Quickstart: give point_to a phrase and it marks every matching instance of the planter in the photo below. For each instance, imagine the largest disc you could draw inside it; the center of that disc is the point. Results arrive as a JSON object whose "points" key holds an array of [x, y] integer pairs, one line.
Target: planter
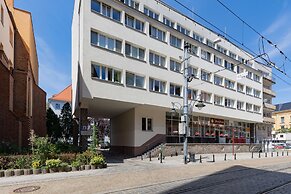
{"points": [[44, 171], [75, 168], [18, 172], [27, 171], [93, 167], [82, 167], [36, 171], [52, 170], [87, 167], [2, 174], [9, 173]]}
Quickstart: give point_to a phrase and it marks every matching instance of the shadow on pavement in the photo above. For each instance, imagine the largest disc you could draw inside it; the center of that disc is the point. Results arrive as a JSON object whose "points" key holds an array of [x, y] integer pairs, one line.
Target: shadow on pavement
{"points": [[239, 179]]}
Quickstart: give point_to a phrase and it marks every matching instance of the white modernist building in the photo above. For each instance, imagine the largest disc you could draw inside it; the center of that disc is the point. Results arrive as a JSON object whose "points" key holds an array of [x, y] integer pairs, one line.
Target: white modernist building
{"points": [[126, 66]]}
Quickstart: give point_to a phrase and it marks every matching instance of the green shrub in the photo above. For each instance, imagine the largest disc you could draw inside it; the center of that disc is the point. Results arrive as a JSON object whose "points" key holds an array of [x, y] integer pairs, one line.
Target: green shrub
{"points": [[36, 164], [53, 163], [76, 164], [97, 160], [67, 157], [22, 162], [85, 157]]}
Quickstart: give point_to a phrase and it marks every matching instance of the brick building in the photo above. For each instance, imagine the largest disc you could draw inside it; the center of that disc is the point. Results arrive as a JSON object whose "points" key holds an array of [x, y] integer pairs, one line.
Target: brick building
{"points": [[22, 101]]}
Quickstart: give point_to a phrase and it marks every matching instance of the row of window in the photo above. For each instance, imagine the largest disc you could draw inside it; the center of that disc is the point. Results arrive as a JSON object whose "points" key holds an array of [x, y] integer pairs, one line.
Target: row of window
{"points": [[158, 34], [186, 31], [159, 60], [133, 80]]}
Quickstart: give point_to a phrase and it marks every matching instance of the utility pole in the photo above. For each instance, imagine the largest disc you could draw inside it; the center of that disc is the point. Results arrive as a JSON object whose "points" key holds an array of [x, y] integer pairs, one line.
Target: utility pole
{"points": [[185, 118]]}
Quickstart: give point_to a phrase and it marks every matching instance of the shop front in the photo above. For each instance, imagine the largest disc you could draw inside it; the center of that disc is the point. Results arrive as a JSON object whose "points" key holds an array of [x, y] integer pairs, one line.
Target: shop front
{"points": [[207, 130]]}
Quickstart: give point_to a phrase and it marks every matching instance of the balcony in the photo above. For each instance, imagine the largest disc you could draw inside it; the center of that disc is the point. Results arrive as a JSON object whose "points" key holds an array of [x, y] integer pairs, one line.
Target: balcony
{"points": [[269, 92], [269, 78], [269, 120], [269, 106]]}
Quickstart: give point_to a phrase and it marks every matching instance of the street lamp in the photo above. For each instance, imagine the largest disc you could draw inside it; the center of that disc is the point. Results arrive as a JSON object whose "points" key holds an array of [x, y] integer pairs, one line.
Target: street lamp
{"points": [[186, 105]]}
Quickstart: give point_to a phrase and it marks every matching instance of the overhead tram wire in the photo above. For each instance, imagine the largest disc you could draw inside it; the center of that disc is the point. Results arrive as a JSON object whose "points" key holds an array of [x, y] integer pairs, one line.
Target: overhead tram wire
{"points": [[262, 36], [238, 42]]}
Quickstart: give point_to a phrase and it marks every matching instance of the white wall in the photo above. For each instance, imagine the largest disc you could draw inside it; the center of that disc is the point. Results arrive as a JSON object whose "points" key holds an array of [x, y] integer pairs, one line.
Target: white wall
{"points": [[53, 106]]}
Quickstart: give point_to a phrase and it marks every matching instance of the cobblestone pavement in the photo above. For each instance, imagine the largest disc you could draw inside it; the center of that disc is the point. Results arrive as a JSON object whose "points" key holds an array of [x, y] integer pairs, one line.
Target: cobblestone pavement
{"points": [[244, 175]]}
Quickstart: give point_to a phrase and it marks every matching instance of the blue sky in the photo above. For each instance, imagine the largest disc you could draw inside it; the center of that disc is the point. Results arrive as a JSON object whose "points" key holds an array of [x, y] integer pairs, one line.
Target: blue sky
{"points": [[52, 26]]}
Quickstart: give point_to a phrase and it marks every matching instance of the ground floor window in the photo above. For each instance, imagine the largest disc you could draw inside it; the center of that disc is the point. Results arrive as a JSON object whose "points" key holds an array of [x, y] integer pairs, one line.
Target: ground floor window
{"points": [[147, 124]]}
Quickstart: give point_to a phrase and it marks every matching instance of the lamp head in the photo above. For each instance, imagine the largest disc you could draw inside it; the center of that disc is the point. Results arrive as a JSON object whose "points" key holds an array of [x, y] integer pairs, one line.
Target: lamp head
{"points": [[200, 104]]}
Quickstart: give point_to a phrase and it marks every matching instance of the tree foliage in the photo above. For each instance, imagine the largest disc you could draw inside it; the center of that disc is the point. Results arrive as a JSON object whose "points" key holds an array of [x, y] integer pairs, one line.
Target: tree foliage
{"points": [[54, 129], [66, 121]]}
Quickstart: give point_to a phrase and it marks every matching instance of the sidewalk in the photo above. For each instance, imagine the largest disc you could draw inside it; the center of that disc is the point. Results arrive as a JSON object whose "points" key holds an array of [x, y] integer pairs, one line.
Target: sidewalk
{"points": [[135, 173]]}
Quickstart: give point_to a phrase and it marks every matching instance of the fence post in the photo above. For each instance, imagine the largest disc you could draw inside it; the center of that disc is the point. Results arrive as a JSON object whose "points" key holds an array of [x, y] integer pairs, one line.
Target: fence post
{"points": [[235, 156], [213, 158], [150, 156], [224, 157], [200, 159]]}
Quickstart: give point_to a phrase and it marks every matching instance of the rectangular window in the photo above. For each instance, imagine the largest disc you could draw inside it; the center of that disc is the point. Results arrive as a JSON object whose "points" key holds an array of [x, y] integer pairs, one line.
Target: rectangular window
{"points": [[257, 78], [175, 90], [135, 80], [168, 22], [229, 84], [229, 103], [221, 49], [218, 100], [106, 73], [250, 75], [192, 94], [134, 23], [239, 69], [232, 55], [157, 86], [210, 43], [218, 80], [105, 42], [217, 61], [197, 37], [193, 50], [157, 60], [206, 97], [131, 3], [157, 34], [229, 66], [205, 55], [105, 10], [282, 119], [175, 66], [249, 91], [193, 71], [147, 124], [257, 93], [2, 15], [240, 105], [241, 60], [150, 13], [257, 109], [240, 88], [175, 42], [205, 76], [134, 52], [249, 107], [183, 30], [144, 124]]}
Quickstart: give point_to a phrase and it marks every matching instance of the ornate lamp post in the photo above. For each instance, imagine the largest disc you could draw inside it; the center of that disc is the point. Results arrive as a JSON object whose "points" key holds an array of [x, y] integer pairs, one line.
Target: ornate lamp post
{"points": [[186, 105]]}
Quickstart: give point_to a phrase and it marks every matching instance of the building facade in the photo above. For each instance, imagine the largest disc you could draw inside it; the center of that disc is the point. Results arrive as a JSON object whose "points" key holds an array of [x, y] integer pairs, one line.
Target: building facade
{"points": [[282, 116], [127, 66], [22, 100], [57, 101]]}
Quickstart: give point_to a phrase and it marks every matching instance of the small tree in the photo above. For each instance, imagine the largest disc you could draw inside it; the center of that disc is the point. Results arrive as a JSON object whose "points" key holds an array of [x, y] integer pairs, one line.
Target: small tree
{"points": [[94, 143], [66, 121], [53, 125]]}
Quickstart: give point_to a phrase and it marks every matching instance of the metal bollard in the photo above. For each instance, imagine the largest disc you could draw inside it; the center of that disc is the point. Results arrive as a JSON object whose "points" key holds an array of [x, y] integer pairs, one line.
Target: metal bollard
{"points": [[224, 157], [213, 158], [252, 154], [141, 157], [150, 156], [282, 153], [161, 157], [234, 156], [277, 153], [176, 153], [271, 154], [200, 159], [266, 154], [259, 154]]}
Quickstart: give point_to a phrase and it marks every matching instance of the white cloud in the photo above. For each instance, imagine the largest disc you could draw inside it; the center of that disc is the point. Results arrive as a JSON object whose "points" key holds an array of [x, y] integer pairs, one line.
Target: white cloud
{"points": [[277, 25], [51, 77], [283, 44]]}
